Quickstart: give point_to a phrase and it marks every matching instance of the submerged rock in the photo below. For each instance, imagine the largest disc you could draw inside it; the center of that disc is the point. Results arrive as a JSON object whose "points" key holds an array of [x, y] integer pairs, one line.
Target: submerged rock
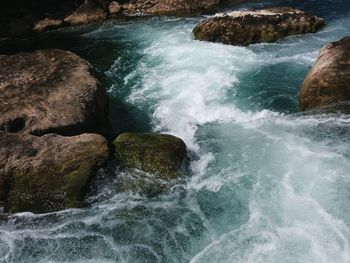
{"points": [[50, 91], [160, 154], [248, 27], [328, 82], [48, 173]]}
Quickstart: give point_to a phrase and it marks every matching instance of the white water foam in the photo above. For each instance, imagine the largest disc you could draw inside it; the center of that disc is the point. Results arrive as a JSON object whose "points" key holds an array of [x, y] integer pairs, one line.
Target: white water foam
{"points": [[267, 187], [189, 82]]}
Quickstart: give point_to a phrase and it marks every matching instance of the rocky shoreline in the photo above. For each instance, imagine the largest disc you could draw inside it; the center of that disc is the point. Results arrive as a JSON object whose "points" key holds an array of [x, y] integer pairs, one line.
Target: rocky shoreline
{"points": [[46, 15], [52, 107], [54, 131]]}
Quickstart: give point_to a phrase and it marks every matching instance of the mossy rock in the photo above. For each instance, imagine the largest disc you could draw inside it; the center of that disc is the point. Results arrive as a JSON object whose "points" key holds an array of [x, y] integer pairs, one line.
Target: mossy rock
{"points": [[48, 173], [163, 155]]}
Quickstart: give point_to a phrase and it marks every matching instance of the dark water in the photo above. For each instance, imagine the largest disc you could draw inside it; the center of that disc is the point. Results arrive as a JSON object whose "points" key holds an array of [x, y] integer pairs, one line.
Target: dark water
{"points": [[266, 185]]}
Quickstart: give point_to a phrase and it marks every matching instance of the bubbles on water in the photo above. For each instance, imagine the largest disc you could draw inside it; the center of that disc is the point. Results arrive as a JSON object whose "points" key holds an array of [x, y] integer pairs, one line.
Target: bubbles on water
{"points": [[262, 184], [265, 186]]}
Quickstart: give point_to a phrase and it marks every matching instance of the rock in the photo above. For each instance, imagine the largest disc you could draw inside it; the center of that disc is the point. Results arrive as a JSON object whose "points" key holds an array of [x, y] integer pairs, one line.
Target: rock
{"points": [[168, 7], [18, 18], [88, 12], [114, 8], [328, 82], [160, 154], [48, 173], [46, 24], [50, 91], [248, 27]]}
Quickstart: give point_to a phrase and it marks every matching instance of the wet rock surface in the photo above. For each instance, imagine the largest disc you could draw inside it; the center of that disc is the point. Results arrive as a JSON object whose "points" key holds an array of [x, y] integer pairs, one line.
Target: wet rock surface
{"points": [[248, 27], [160, 154], [46, 93], [50, 91], [48, 173], [328, 82]]}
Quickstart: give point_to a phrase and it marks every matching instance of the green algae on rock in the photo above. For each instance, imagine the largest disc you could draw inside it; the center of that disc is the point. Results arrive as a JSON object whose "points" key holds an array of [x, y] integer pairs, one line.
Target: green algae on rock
{"points": [[161, 154], [243, 28], [48, 173]]}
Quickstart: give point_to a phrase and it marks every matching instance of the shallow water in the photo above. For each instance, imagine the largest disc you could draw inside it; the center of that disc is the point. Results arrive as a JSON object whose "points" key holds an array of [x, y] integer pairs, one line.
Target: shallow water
{"points": [[266, 184]]}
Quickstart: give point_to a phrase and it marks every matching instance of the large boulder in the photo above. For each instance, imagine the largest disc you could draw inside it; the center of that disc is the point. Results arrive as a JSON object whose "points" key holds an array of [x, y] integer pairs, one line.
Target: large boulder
{"points": [[248, 27], [168, 7], [50, 91], [160, 154], [328, 82], [48, 173]]}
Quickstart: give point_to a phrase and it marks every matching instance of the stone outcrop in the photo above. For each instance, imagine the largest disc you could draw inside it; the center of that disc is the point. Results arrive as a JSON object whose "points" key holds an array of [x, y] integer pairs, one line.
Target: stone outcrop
{"points": [[328, 82], [248, 27], [48, 173], [89, 11], [50, 91], [160, 154]]}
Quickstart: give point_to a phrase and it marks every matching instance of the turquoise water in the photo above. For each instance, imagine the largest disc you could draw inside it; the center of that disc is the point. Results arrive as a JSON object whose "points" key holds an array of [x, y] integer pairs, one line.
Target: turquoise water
{"points": [[266, 184]]}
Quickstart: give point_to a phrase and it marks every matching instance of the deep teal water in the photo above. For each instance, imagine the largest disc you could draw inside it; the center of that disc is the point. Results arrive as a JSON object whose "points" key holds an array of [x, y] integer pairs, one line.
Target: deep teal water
{"points": [[266, 184]]}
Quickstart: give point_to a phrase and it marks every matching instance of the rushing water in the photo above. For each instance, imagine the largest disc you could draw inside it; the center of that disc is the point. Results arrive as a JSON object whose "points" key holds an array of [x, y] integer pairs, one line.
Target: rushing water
{"points": [[266, 184]]}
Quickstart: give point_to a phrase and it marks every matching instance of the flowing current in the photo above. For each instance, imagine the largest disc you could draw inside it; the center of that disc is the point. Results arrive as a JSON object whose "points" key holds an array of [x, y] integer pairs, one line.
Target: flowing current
{"points": [[266, 184]]}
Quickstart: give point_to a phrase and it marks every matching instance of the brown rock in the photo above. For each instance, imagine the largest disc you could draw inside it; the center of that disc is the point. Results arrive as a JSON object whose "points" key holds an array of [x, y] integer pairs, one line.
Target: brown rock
{"points": [[88, 12], [328, 82], [46, 24], [114, 8], [248, 27], [50, 91], [48, 173], [168, 7]]}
